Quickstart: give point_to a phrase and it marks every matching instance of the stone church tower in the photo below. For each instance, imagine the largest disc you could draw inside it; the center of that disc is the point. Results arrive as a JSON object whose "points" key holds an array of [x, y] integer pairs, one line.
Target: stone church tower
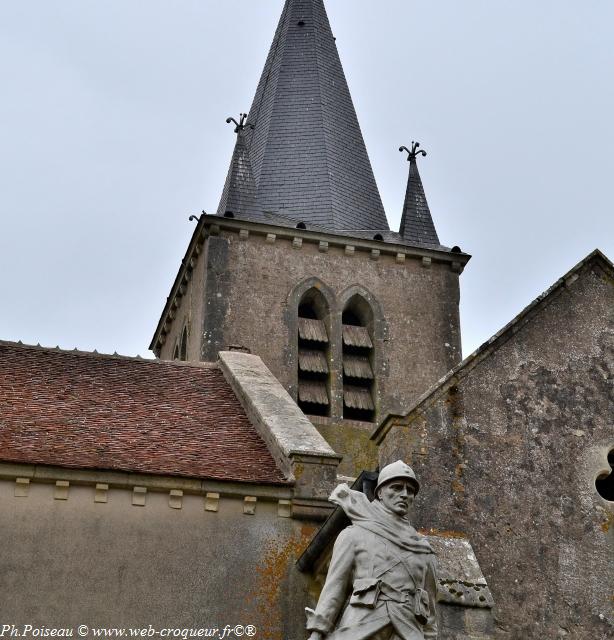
{"points": [[299, 266]]}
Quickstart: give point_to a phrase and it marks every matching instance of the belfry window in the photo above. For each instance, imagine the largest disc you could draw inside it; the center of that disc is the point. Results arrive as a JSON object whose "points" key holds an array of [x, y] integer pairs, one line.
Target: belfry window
{"points": [[313, 355], [181, 349], [358, 360]]}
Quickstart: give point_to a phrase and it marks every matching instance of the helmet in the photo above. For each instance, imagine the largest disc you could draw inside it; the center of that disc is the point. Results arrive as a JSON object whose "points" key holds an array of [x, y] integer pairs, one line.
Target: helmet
{"points": [[397, 469]]}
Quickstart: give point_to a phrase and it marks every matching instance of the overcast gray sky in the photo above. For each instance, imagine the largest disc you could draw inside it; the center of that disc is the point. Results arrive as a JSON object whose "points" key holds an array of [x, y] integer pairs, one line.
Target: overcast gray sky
{"points": [[112, 133]]}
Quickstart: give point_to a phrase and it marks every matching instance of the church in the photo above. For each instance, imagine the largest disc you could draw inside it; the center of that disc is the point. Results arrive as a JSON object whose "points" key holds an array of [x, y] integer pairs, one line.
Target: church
{"points": [[303, 344]]}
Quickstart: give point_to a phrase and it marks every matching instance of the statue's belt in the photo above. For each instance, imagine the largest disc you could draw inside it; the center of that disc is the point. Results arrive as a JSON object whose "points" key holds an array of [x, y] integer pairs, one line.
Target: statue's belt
{"points": [[368, 592]]}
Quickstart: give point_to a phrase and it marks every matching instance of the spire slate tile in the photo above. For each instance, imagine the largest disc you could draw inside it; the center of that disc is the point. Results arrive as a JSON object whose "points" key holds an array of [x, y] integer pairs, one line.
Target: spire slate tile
{"points": [[417, 225], [306, 154]]}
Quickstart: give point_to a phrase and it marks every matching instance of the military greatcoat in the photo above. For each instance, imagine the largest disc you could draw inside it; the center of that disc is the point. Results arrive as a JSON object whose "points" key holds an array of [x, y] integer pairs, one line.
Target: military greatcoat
{"points": [[392, 587]]}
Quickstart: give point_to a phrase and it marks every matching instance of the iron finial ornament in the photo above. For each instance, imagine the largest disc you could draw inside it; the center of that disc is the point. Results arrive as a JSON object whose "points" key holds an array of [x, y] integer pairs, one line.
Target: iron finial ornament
{"points": [[242, 124], [414, 153], [197, 217]]}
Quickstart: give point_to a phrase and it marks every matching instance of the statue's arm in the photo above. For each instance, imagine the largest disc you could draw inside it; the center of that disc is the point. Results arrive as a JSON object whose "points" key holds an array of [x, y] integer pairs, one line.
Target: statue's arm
{"points": [[430, 584], [333, 595]]}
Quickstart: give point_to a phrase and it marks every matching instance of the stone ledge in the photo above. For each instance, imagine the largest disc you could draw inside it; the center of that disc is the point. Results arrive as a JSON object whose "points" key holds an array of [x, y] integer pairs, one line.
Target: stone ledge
{"points": [[300, 452], [131, 481]]}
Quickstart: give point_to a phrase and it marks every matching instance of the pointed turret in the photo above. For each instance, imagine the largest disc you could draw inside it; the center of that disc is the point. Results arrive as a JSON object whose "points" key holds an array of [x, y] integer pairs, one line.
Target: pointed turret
{"points": [[239, 195], [416, 223], [307, 154]]}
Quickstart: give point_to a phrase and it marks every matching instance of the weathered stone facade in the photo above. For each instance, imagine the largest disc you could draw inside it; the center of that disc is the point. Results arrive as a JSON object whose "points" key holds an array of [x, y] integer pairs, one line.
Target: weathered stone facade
{"points": [[509, 447], [245, 286], [174, 560]]}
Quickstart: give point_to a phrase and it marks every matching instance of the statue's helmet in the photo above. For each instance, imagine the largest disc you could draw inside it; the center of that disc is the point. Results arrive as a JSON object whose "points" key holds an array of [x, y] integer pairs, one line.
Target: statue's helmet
{"points": [[396, 470]]}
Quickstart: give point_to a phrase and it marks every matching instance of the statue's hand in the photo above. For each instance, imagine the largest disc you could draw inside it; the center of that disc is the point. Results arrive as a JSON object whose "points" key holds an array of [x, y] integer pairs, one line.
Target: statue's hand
{"points": [[316, 635]]}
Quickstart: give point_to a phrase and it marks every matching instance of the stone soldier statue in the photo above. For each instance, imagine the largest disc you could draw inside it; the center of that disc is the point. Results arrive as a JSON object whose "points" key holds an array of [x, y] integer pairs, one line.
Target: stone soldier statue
{"points": [[386, 565]]}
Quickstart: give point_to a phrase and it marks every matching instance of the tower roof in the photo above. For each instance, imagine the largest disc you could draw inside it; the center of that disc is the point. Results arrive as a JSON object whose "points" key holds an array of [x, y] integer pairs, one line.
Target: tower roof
{"points": [[239, 195], [417, 225], [306, 152]]}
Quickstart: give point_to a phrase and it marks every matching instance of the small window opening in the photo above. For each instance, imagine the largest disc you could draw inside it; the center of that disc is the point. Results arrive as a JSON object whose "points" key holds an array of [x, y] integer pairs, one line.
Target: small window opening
{"points": [[229, 214], [350, 318], [301, 225], [307, 311], [358, 361], [313, 355], [301, 23], [378, 236], [605, 482], [183, 349]]}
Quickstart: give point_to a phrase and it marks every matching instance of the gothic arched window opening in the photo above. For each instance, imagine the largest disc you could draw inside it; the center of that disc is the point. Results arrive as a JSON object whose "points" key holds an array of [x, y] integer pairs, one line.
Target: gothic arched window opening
{"points": [[358, 361], [313, 355], [183, 347]]}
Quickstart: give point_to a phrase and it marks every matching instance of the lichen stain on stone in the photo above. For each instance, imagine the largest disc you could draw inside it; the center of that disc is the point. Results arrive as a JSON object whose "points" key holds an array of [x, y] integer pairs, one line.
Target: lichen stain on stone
{"points": [[443, 533], [278, 558], [457, 486], [608, 522], [455, 401]]}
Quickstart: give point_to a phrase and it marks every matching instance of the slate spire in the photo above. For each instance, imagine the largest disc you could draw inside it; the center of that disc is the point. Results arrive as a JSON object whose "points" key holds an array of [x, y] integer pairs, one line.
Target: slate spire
{"points": [[417, 225], [306, 152], [239, 195]]}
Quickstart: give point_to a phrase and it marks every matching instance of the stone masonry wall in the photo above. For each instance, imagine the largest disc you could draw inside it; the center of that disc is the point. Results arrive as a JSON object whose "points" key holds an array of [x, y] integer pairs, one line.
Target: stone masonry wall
{"points": [[188, 312], [248, 304], [75, 561], [509, 454]]}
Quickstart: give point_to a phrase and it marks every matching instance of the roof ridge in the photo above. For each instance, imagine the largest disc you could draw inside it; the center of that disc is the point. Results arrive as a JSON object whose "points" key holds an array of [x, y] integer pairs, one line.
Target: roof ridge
{"points": [[106, 356], [495, 341]]}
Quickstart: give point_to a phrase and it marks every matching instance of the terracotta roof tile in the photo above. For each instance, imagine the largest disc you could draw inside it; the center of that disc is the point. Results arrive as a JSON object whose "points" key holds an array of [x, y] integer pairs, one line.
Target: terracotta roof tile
{"points": [[91, 411]]}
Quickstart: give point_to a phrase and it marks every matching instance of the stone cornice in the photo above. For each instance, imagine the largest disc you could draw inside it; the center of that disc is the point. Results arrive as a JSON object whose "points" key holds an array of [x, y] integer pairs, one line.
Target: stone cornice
{"points": [[212, 225], [156, 483]]}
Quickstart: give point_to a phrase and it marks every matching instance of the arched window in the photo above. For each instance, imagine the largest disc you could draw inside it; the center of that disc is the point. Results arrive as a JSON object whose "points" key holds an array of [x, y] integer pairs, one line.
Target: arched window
{"points": [[183, 345], [313, 354], [358, 360]]}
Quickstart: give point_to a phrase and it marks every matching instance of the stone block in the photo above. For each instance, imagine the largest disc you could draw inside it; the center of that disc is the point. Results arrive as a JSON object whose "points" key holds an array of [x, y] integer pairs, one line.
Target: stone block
{"points": [[249, 505], [22, 487], [139, 496], [61, 490], [284, 508], [175, 499], [212, 502], [101, 493]]}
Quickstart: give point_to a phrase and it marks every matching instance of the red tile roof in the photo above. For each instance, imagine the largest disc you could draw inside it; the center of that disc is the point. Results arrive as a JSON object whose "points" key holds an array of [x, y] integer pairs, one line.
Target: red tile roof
{"points": [[91, 411]]}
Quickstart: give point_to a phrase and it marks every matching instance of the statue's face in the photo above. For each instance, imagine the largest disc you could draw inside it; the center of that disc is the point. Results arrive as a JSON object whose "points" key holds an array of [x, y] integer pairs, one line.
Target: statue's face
{"points": [[398, 496]]}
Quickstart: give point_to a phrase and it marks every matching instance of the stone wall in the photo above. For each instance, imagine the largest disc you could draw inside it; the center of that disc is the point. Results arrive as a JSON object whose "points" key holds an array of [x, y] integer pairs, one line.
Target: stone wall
{"points": [[508, 449], [171, 563], [242, 289], [187, 308], [250, 282]]}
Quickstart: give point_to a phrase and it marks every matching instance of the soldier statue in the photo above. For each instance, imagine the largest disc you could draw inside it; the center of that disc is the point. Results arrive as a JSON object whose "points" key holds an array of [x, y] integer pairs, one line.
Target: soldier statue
{"points": [[386, 565]]}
